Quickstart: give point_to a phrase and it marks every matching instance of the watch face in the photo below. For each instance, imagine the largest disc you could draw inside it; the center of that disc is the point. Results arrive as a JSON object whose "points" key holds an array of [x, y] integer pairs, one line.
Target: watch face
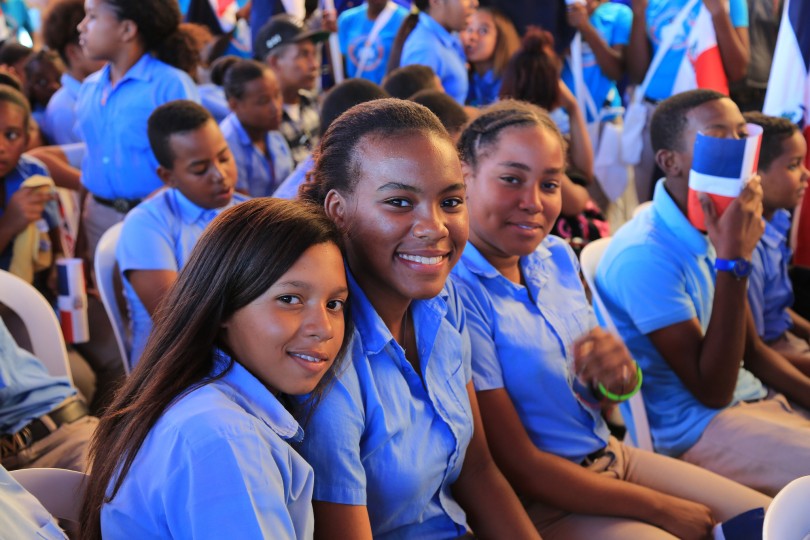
{"points": [[742, 268]]}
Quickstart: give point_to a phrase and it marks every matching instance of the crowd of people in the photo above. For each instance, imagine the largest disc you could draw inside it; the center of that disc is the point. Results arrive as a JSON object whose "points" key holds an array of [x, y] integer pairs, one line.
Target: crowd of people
{"points": [[446, 376]]}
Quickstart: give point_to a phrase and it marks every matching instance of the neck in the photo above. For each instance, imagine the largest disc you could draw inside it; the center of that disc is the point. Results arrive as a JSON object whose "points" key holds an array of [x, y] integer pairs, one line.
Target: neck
{"points": [[389, 305], [768, 212], [77, 74], [374, 11], [124, 60], [290, 96], [481, 68], [506, 265], [678, 189], [255, 135]]}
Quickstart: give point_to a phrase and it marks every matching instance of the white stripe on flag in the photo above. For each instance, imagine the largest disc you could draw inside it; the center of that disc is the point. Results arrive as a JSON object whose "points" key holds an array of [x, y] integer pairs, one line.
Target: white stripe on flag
{"points": [[716, 185]]}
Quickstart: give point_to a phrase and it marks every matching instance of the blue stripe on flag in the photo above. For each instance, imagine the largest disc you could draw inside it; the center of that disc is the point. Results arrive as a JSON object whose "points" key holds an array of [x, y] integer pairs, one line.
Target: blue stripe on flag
{"points": [[718, 157], [799, 15]]}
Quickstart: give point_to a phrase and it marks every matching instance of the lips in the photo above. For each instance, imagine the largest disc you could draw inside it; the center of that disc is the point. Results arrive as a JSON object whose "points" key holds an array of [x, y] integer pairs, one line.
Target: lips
{"points": [[310, 356], [433, 260]]}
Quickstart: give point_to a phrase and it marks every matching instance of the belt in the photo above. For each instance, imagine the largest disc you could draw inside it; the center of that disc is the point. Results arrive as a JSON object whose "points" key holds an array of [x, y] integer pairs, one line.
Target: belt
{"points": [[39, 428], [591, 458], [119, 204]]}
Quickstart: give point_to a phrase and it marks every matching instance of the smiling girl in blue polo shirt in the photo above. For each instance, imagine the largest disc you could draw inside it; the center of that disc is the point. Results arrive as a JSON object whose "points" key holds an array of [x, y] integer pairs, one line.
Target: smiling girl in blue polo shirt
{"points": [[196, 443], [397, 445], [537, 354]]}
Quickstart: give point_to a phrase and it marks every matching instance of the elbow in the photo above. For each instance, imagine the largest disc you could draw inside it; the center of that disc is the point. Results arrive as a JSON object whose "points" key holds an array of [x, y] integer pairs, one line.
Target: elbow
{"points": [[737, 70], [713, 399]]}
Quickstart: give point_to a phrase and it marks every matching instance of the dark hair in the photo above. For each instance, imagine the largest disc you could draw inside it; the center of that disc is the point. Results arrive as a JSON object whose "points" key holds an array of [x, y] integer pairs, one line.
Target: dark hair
{"points": [[238, 73], [452, 115], [486, 129], [404, 82], [9, 94], [775, 131], [507, 41], [346, 95], [179, 116], [158, 24], [184, 52], [60, 25], [12, 52], [337, 164], [239, 256], [669, 119], [405, 28], [533, 72], [220, 66], [7, 79]]}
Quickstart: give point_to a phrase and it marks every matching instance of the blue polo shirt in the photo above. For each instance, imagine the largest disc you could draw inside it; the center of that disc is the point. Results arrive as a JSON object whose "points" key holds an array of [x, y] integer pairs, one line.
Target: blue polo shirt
{"points": [[60, 114], [612, 21], [289, 188], [27, 390], [484, 89], [659, 271], [22, 515], [522, 341], [659, 15], [217, 464], [112, 121], [354, 26], [159, 234], [213, 99], [258, 175], [386, 438], [430, 44], [770, 292]]}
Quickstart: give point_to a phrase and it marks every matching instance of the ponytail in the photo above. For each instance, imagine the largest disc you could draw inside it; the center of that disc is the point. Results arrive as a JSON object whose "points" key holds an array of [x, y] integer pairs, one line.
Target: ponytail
{"points": [[405, 29]]}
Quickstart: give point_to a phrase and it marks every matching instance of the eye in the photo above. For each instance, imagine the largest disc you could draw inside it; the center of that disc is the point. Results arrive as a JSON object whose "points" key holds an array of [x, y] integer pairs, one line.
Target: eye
{"points": [[199, 171], [452, 202], [13, 135], [508, 179], [289, 299], [399, 202], [336, 305], [550, 185]]}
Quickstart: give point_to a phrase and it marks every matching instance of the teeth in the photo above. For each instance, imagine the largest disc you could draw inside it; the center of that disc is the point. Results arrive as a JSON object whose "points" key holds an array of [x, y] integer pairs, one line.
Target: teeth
{"points": [[526, 227], [306, 357], [421, 260]]}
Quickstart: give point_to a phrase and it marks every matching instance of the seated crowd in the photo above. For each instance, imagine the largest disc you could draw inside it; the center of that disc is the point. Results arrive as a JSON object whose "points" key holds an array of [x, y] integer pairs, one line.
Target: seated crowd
{"points": [[447, 375]]}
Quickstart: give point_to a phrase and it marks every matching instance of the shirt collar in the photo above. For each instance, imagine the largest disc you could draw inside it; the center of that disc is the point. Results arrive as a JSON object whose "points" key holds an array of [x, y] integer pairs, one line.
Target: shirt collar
{"points": [[533, 268], [141, 70], [370, 326], [776, 229], [256, 399], [670, 215], [440, 31], [190, 213], [71, 84], [241, 134]]}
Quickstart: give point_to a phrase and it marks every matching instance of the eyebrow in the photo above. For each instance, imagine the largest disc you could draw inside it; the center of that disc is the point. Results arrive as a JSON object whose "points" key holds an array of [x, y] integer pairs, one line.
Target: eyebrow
{"points": [[526, 168], [460, 186], [307, 286], [398, 186]]}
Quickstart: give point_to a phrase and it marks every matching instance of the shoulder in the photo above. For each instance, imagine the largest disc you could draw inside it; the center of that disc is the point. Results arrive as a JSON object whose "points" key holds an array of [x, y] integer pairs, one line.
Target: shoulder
{"points": [[153, 213]]}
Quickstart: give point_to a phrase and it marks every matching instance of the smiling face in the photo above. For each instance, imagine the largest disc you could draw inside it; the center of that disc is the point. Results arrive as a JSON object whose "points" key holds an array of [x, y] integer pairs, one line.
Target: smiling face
{"points": [[514, 194], [406, 221], [204, 169], [480, 37], [13, 136], [785, 179], [289, 336], [100, 31], [260, 106]]}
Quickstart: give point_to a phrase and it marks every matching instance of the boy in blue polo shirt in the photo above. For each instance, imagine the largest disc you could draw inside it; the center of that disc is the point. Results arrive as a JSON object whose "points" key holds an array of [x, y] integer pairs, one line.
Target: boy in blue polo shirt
{"points": [[678, 298], [158, 235]]}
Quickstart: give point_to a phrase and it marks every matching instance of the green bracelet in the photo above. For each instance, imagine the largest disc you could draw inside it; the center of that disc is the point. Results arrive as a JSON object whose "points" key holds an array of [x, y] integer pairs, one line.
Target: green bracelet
{"points": [[624, 397]]}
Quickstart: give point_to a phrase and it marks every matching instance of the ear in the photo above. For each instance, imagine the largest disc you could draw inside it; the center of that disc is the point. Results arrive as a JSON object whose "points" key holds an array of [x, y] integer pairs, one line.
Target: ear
{"points": [[671, 162], [233, 103], [128, 30], [467, 171], [73, 52], [336, 208], [165, 175]]}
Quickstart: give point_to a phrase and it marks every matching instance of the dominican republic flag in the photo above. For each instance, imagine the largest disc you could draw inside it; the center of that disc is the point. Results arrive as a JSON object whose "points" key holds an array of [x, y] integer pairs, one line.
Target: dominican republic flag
{"points": [[702, 66], [788, 94], [720, 167], [72, 300]]}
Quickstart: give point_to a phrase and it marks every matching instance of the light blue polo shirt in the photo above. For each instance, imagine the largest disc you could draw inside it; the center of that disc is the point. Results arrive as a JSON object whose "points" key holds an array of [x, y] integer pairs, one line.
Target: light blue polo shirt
{"points": [[388, 439], [112, 121], [27, 390], [258, 176], [659, 271], [484, 89], [430, 44], [22, 515], [659, 15], [770, 292], [60, 114], [213, 99], [217, 464], [522, 340], [159, 234], [354, 26], [289, 188], [612, 21]]}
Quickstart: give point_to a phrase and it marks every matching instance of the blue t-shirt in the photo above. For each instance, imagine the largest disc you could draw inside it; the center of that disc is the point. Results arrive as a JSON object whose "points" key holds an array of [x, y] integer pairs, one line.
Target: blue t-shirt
{"points": [[354, 26], [217, 464], [112, 121], [60, 114], [158, 234], [659, 271], [256, 174], [27, 390], [388, 439], [612, 22], [26, 167], [522, 340], [430, 44], [659, 15], [770, 292]]}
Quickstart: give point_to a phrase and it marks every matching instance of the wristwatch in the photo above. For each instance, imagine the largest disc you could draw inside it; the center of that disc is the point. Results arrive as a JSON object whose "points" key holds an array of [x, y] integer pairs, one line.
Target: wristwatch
{"points": [[739, 268]]}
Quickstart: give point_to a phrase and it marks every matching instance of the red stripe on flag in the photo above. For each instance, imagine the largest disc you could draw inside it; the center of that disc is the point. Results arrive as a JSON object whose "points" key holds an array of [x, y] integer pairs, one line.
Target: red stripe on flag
{"points": [[801, 256], [67, 326], [709, 71]]}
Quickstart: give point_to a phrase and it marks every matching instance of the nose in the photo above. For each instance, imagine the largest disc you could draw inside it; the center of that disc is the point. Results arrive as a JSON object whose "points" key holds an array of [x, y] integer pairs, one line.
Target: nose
{"points": [[531, 201], [318, 324], [218, 173], [82, 25]]}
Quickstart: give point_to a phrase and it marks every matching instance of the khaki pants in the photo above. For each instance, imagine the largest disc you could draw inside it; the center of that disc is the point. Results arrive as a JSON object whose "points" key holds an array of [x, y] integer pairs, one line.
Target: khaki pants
{"points": [[65, 448], [763, 445], [725, 498]]}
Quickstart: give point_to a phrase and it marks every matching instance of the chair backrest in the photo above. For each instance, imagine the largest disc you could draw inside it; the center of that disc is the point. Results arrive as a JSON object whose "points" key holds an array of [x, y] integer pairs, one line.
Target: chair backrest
{"points": [[589, 260], [59, 490], [105, 269], [40, 321], [787, 518]]}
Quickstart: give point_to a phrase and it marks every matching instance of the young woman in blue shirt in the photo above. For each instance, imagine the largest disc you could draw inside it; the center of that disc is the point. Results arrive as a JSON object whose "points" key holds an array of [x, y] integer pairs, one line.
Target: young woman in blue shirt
{"points": [[538, 357], [490, 40], [397, 445], [196, 442]]}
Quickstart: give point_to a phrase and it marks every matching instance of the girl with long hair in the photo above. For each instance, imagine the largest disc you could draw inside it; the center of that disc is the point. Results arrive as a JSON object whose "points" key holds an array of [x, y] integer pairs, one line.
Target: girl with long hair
{"points": [[490, 40]]}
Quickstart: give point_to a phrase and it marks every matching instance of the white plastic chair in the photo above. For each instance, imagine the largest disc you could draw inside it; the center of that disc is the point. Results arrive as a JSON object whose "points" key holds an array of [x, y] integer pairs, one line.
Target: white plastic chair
{"points": [[641, 207], [105, 268], [589, 260], [59, 490], [40, 321], [787, 518]]}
